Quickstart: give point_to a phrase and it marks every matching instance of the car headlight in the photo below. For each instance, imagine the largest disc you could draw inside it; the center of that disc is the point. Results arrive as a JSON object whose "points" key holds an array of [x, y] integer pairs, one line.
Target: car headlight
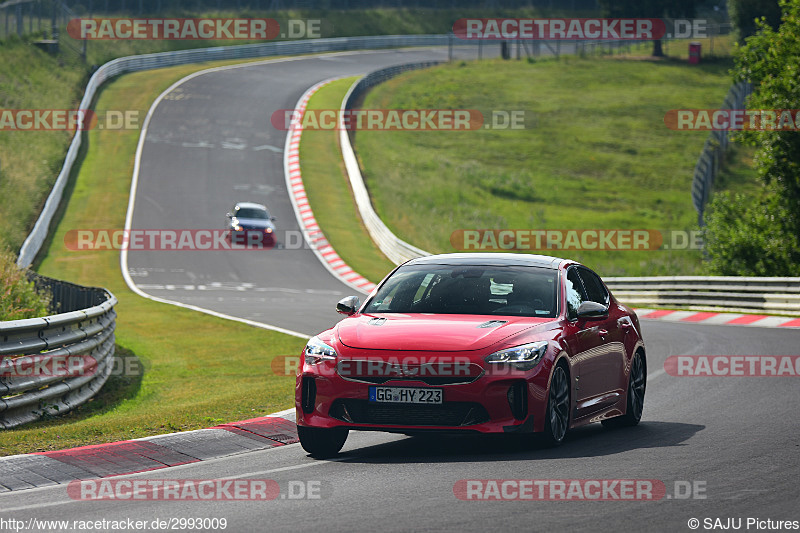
{"points": [[237, 228], [522, 357], [317, 351], [268, 230]]}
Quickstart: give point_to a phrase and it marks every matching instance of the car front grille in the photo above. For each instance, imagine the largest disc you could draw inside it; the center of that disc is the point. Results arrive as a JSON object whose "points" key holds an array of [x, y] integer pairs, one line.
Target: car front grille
{"points": [[454, 414], [380, 372]]}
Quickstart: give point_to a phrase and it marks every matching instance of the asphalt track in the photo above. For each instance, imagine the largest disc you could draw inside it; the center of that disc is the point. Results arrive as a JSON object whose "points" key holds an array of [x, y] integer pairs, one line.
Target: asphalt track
{"points": [[737, 439], [209, 144]]}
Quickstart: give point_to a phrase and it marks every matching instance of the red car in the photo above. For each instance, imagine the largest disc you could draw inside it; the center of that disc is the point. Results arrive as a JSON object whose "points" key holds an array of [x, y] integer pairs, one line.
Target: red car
{"points": [[486, 343]]}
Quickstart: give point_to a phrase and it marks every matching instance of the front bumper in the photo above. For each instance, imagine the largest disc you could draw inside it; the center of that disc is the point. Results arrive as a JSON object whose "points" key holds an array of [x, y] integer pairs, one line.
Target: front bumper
{"points": [[249, 237], [495, 402]]}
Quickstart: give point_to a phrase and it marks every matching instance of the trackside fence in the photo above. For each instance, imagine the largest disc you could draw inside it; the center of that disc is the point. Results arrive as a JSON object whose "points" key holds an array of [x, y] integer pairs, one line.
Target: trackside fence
{"points": [[714, 152]]}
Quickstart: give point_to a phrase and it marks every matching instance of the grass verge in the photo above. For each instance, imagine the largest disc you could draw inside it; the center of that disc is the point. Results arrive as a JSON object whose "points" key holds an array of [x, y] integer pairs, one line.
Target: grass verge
{"points": [[594, 154], [199, 370], [328, 189]]}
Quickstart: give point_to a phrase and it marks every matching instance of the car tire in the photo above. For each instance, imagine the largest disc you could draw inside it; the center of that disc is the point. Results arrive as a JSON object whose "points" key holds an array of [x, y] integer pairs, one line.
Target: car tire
{"points": [[556, 420], [322, 442], [637, 384]]}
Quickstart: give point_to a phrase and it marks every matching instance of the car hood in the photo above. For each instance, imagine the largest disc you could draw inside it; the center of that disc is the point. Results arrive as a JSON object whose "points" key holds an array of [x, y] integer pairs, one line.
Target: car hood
{"points": [[425, 332]]}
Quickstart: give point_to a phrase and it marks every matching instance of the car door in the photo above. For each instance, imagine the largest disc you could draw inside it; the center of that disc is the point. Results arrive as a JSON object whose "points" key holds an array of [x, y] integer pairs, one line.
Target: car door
{"points": [[580, 334], [602, 351]]}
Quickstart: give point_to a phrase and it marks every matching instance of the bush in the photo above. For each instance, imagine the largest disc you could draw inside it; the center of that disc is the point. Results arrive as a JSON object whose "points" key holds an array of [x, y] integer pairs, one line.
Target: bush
{"points": [[751, 238], [18, 297]]}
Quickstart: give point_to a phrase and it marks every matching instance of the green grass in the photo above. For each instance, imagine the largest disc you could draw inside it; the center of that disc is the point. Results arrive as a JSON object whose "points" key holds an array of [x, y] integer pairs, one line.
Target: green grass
{"points": [[200, 370], [30, 160], [595, 153], [329, 194]]}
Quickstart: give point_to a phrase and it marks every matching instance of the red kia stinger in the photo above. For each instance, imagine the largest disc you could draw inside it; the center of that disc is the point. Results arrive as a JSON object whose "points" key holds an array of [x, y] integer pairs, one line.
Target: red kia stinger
{"points": [[474, 342]]}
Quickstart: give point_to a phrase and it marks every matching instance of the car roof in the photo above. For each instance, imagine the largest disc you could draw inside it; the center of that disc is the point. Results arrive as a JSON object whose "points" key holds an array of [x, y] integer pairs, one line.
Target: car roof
{"points": [[490, 259], [249, 205]]}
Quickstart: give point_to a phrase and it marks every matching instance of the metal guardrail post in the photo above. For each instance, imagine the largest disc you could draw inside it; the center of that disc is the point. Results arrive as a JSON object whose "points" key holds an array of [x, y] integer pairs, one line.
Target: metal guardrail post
{"points": [[450, 46]]}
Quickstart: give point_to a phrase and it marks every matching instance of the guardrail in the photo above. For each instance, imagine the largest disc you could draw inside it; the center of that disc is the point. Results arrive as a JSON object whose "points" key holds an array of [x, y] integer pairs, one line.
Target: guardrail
{"points": [[716, 293], [52, 364], [397, 250]]}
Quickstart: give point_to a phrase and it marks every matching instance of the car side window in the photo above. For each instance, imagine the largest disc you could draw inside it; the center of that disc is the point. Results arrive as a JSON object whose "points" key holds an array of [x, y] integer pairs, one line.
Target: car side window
{"points": [[595, 289], [575, 292]]}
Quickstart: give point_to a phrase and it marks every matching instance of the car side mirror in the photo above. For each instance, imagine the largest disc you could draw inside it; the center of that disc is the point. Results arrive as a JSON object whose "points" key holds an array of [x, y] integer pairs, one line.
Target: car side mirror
{"points": [[348, 306], [273, 218], [228, 215], [592, 310]]}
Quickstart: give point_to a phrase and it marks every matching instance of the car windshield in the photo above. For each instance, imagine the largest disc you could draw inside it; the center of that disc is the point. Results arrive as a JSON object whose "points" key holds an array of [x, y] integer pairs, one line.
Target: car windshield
{"points": [[249, 212], [475, 290]]}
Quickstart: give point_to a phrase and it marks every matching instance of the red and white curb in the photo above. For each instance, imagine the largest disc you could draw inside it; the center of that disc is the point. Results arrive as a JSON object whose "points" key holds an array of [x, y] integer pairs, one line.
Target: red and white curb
{"points": [[305, 216], [725, 319], [20, 472]]}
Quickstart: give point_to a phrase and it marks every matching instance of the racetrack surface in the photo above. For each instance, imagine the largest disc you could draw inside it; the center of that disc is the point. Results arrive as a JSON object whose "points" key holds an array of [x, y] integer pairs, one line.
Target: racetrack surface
{"points": [[210, 144], [737, 437]]}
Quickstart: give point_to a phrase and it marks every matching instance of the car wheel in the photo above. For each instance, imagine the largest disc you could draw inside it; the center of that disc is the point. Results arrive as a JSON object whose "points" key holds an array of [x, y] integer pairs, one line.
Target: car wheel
{"points": [[637, 383], [322, 442], [556, 420]]}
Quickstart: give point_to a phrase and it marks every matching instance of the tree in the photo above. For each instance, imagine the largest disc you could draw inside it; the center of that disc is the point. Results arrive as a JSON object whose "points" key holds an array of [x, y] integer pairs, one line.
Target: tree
{"points": [[743, 14], [650, 9], [770, 60]]}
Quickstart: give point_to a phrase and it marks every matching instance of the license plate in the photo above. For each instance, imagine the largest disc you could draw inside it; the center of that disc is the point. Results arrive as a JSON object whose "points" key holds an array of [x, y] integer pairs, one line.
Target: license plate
{"points": [[405, 395]]}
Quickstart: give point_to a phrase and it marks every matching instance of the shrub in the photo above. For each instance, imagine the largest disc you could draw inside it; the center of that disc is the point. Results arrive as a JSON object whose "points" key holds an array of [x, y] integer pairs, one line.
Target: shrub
{"points": [[18, 297]]}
